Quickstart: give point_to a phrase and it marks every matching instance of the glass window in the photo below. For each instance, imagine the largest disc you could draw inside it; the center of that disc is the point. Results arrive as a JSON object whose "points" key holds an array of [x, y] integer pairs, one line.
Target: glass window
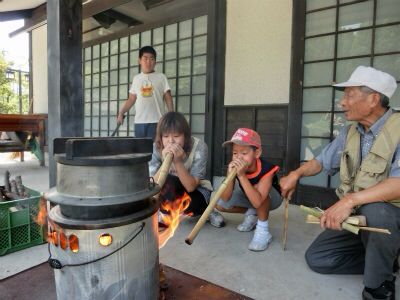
{"points": [[387, 39], [123, 60], [199, 104], [170, 51], [316, 124], [185, 29], [311, 147], [96, 51], [185, 48], [387, 11], [315, 4], [199, 84], [320, 22], [319, 48], [354, 43], [114, 62], [123, 44], [134, 41], [105, 49], [356, 16], [104, 79], [171, 32], [158, 36], [146, 38], [96, 67], [88, 53], [183, 104], [200, 25], [199, 64], [389, 63], [199, 45], [170, 68], [184, 67], [318, 73], [197, 124], [160, 52], [104, 63], [317, 99], [184, 86], [114, 47], [110, 66], [114, 77], [88, 67]]}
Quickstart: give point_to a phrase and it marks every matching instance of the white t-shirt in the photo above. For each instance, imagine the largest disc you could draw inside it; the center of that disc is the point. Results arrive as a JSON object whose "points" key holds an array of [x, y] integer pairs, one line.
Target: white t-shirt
{"points": [[149, 90]]}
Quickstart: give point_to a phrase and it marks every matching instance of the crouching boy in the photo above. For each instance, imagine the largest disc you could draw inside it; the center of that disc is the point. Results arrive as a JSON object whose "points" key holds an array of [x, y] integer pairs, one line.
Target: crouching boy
{"points": [[257, 181]]}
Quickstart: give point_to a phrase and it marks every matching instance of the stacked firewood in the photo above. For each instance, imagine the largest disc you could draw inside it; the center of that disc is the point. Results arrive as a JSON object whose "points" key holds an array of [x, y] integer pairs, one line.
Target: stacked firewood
{"points": [[13, 189]]}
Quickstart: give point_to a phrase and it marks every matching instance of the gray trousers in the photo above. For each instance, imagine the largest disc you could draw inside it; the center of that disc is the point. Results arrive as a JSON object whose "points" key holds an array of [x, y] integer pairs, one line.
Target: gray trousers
{"points": [[368, 253]]}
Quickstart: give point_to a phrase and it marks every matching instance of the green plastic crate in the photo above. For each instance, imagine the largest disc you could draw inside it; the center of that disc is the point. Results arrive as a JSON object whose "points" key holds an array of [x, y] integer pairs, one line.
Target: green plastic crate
{"points": [[18, 229]]}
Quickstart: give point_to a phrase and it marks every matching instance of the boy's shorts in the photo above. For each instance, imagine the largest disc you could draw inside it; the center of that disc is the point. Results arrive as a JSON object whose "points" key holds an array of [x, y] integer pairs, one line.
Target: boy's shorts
{"points": [[240, 199]]}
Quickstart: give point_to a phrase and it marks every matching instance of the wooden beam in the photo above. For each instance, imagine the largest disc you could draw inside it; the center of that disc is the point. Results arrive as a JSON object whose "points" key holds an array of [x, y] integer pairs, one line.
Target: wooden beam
{"points": [[15, 15], [38, 18], [94, 7], [39, 14]]}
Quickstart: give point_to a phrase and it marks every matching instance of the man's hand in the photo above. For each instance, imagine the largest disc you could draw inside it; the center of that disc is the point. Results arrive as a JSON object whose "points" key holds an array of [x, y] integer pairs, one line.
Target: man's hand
{"points": [[288, 184], [334, 216]]}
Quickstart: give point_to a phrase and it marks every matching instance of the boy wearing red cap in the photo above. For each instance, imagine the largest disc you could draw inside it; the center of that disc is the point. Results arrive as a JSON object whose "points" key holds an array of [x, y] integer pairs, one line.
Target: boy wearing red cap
{"points": [[257, 181]]}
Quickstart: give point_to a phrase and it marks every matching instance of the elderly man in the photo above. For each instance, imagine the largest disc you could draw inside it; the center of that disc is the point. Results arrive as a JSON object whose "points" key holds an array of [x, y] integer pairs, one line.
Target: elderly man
{"points": [[367, 154]]}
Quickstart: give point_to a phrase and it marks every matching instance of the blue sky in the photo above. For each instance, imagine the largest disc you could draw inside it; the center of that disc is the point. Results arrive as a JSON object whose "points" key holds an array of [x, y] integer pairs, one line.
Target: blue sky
{"points": [[17, 48]]}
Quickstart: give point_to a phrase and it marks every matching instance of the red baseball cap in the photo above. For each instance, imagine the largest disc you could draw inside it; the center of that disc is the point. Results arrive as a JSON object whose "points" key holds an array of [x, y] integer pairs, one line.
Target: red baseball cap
{"points": [[245, 137]]}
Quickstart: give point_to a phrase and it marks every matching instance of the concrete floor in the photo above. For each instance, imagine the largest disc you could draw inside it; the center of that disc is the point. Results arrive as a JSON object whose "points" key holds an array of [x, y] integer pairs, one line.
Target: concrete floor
{"points": [[220, 255]]}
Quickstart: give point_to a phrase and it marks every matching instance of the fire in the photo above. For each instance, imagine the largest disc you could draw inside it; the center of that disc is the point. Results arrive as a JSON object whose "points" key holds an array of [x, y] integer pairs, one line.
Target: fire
{"points": [[42, 214], [172, 219], [52, 234]]}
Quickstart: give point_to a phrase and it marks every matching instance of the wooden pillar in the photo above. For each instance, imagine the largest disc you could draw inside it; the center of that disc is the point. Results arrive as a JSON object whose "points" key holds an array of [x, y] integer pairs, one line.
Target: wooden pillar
{"points": [[64, 50]]}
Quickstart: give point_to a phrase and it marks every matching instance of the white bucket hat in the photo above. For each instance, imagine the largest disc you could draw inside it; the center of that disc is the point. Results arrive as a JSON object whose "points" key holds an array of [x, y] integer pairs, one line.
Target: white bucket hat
{"points": [[379, 81]]}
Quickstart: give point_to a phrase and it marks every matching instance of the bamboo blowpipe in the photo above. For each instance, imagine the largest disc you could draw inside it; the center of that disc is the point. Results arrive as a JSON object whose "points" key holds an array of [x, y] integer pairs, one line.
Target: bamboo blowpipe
{"points": [[213, 202], [285, 223], [164, 169]]}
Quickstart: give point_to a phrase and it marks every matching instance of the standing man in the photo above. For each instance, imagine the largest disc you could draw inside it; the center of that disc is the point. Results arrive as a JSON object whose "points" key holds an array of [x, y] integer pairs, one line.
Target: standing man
{"points": [[367, 155], [149, 90]]}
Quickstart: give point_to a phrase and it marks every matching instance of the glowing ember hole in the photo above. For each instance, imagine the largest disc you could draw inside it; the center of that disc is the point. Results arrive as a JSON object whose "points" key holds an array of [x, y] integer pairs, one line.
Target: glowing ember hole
{"points": [[63, 241], [73, 243], [174, 211], [105, 239], [52, 237]]}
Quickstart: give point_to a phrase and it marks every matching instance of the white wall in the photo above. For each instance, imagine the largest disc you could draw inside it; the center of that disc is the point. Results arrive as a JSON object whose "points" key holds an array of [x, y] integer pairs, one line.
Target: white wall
{"points": [[258, 47], [39, 69]]}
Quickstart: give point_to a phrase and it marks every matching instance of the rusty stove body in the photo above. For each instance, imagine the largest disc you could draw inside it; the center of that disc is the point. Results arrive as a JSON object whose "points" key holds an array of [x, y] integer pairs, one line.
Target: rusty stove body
{"points": [[104, 230]]}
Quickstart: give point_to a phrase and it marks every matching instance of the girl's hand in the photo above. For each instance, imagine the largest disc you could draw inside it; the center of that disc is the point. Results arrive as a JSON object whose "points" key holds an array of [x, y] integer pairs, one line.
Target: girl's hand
{"points": [[176, 150]]}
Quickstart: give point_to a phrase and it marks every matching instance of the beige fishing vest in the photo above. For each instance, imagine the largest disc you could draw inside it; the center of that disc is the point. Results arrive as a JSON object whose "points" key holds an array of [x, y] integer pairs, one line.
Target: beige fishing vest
{"points": [[376, 165], [189, 161]]}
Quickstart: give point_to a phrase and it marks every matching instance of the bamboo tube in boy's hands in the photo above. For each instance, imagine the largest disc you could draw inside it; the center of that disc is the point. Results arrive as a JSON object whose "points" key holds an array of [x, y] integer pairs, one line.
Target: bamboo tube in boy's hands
{"points": [[213, 202]]}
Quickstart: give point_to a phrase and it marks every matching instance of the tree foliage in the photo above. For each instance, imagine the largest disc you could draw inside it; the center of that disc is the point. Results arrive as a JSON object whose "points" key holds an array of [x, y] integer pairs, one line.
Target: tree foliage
{"points": [[9, 100]]}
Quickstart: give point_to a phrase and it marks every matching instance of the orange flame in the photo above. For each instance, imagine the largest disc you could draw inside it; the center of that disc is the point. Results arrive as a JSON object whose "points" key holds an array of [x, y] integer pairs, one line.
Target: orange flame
{"points": [[42, 214], [175, 210]]}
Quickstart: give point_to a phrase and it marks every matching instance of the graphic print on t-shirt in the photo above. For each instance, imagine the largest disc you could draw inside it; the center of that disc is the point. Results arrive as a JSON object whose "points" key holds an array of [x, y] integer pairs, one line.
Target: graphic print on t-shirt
{"points": [[146, 88]]}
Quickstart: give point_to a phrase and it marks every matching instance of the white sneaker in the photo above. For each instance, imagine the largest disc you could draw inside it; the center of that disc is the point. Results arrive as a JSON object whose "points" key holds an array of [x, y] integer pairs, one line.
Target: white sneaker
{"points": [[216, 219], [261, 240], [249, 223]]}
